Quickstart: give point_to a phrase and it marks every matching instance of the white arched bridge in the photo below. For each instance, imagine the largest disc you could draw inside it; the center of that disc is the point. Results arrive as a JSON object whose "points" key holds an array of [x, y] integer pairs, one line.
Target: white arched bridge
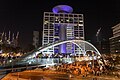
{"points": [[30, 58], [30, 61], [81, 44]]}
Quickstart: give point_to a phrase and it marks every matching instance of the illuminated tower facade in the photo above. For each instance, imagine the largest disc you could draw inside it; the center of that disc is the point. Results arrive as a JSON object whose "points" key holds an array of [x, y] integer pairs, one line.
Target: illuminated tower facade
{"points": [[60, 25]]}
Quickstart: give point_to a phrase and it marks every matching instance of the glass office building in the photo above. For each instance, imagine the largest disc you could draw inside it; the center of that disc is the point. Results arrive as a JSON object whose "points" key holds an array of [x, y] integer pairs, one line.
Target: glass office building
{"points": [[60, 25]]}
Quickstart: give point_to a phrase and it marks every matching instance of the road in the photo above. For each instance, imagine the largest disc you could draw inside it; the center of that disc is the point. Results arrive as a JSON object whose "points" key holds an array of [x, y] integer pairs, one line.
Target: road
{"points": [[39, 74]]}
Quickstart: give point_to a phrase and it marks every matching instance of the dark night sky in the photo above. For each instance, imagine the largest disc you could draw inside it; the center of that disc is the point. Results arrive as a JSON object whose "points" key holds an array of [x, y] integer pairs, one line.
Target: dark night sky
{"points": [[27, 15]]}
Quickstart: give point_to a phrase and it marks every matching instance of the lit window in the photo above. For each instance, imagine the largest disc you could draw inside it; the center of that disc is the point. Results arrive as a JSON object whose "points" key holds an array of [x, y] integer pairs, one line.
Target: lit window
{"points": [[118, 40]]}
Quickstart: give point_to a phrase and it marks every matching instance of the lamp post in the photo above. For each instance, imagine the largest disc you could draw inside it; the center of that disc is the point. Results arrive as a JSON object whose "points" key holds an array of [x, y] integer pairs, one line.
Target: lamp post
{"points": [[97, 34], [98, 41], [93, 59]]}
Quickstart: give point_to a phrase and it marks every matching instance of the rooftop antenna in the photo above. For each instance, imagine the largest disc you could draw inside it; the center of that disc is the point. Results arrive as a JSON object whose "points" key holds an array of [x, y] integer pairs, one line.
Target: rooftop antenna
{"points": [[17, 35], [13, 37], [8, 38], [5, 36], [2, 37]]}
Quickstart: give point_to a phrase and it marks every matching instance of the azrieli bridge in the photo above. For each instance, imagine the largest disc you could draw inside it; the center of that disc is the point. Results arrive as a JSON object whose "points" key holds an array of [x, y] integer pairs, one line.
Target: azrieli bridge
{"points": [[28, 61]]}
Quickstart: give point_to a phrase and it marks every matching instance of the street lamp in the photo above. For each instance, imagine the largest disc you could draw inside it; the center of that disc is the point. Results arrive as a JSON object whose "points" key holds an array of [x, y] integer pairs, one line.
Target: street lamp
{"points": [[98, 41], [97, 34], [93, 59]]}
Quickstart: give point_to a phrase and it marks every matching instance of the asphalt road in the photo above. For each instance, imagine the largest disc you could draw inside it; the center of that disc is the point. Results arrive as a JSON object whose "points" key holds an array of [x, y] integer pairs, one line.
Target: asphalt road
{"points": [[51, 75]]}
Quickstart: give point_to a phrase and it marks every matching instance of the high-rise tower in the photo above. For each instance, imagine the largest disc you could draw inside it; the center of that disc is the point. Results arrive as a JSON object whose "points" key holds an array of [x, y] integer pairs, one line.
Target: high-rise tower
{"points": [[62, 24]]}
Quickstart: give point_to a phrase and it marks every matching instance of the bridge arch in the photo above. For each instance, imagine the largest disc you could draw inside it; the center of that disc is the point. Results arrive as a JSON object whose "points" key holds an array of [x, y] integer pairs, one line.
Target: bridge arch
{"points": [[84, 46], [81, 44]]}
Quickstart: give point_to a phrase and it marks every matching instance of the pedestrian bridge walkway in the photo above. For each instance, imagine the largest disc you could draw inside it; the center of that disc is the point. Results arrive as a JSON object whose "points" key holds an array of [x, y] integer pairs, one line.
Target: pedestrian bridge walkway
{"points": [[29, 59], [83, 46]]}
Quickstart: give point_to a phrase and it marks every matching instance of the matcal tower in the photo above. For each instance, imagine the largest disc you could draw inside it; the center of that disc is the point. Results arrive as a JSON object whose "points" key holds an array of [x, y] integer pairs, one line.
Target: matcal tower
{"points": [[60, 25]]}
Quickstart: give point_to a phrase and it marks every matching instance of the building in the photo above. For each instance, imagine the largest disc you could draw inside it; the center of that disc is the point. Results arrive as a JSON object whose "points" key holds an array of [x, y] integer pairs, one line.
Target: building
{"points": [[115, 40], [35, 39], [9, 39], [60, 25]]}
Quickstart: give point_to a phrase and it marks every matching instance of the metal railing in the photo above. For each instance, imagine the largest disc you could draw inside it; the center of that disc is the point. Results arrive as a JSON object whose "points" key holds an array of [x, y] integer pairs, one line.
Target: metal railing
{"points": [[32, 64]]}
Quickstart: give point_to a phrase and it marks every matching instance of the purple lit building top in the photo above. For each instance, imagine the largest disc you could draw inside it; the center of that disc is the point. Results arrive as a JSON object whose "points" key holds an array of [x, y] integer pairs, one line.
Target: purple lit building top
{"points": [[62, 8]]}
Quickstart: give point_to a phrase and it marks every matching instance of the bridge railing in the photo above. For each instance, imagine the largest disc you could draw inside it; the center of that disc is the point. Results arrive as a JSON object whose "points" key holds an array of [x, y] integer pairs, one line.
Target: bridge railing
{"points": [[36, 61], [33, 63]]}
